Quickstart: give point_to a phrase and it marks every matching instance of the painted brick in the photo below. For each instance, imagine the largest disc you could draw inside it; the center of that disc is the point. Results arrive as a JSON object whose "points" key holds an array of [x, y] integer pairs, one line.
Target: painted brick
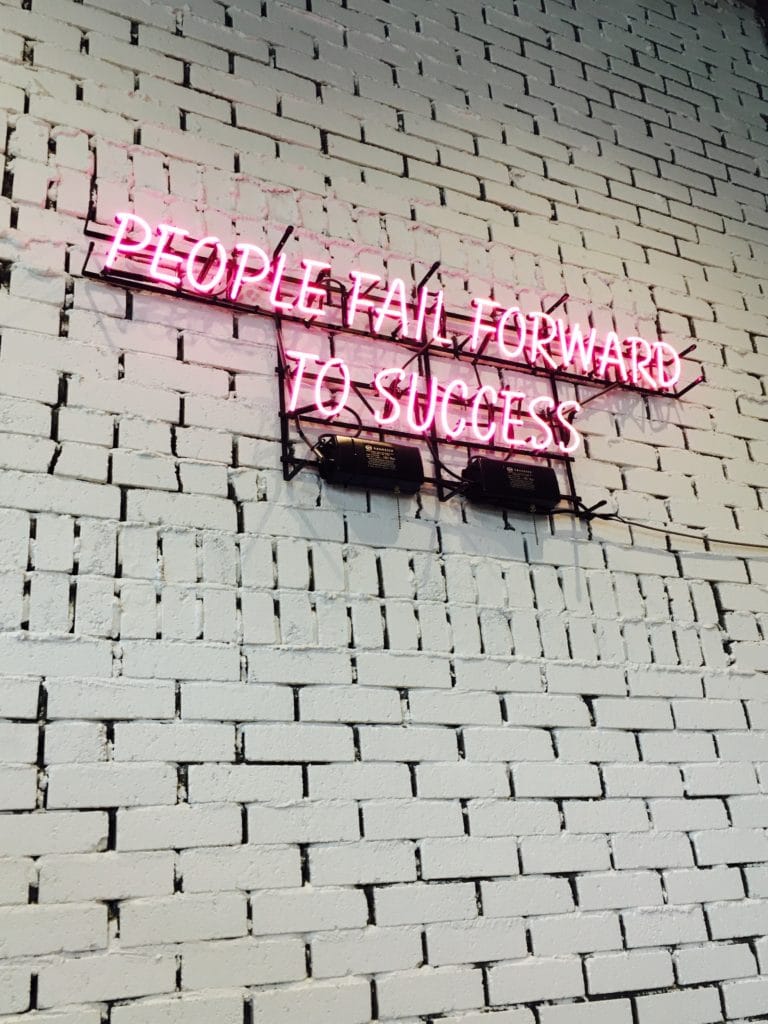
{"points": [[337, 1002], [536, 978], [620, 972], [353, 710]]}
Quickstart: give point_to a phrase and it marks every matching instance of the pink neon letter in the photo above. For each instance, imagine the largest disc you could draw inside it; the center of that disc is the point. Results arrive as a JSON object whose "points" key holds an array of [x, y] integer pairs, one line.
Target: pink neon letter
{"points": [[356, 300], [322, 408], [395, 296], [571, 340], [612, 357], [428, 417], [461, 422], [561, 414], [309, 291], [539, 344], [667, 380], [125, 221], [303, 358], [384, 418], [638, 364], [508, 314], [479, 325], [241, 278], [546, 403], [421, 314], [274, 292], [508, 420], [164, 234], [483, 435], [436, 320], [221, 254]]}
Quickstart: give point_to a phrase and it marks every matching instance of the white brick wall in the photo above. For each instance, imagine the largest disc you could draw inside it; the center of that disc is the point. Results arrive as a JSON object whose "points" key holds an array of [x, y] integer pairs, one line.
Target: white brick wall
{"points": [[276, 752]]}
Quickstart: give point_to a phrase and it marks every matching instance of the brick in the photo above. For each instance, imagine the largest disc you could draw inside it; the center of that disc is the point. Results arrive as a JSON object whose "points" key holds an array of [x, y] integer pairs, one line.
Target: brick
{"points": [[621, 972], [579, 933], [298, 742], [304, 822], [409, 743], [194, 1009], [18, 788], [563, 853], [415, 904], [104, 785], [461, 780], [718, 779], [53, 832], [517, 1016], [556, 780], [105, 876], [115, 975], [365, 951], [32, 931], [714, 962], [651, 850], [147, 828], [642, 780], [308, 910], [345, 1001], [467, 857], [244, 783], [699, 1006], [525, 896], [687, 815], [142, 741], [109, 698], [606, 1011], [605, 816], [430, 990], [475, 941], [16, 876], [518, 817], [180, 918], [616, 890], [595, 745], [738, 919], [505, 744], [362, 863], [536, 978], [236, 962], [662, 926], [729, 846], [350, 704], [411, 818], [701, 885]]}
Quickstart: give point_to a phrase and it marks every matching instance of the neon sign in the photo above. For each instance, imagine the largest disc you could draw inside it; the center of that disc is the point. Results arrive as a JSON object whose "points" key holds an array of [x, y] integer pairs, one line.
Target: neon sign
{"points": [[535, 337], [465, 388]]}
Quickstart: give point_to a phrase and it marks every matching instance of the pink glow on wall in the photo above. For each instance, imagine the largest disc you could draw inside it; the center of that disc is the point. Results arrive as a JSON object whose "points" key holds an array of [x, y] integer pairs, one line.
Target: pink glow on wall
{"points": [[535, 338], [211, 283], [417, 406], [241, 278], [357, 301], [309, 292], [165, 263], [487, 414], [120, 245]]}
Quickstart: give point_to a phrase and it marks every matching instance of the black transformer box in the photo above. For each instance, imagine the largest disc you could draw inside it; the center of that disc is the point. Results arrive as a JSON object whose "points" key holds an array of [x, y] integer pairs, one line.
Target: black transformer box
{"points": [[514, 485], [370, 464]]}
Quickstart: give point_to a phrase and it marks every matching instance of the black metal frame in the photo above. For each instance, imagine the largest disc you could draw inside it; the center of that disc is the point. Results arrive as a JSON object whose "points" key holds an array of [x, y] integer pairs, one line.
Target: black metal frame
{"points": [[454, 326]]}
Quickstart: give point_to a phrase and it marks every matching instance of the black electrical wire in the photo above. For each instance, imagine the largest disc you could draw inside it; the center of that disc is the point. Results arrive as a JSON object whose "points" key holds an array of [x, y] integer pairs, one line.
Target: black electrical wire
{"points": [[667, 531]]}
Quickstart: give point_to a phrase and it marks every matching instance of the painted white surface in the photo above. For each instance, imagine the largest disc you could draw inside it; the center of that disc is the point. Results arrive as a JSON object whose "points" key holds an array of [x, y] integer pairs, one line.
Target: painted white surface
{"points": [[270, 755]]}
